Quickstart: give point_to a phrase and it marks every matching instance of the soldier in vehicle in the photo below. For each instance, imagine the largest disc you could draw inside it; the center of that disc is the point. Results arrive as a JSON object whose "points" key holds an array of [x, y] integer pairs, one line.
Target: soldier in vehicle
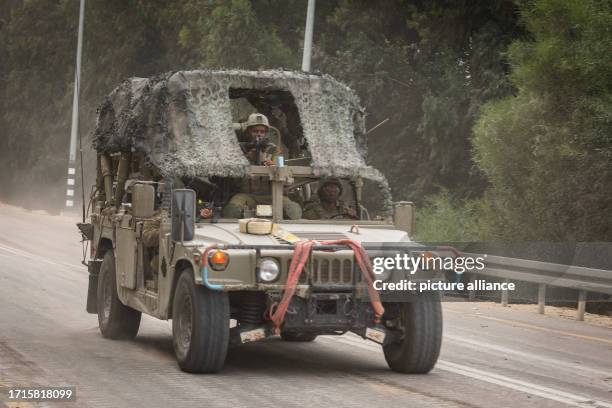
{"points": [[150, 240], [259, 151], [329, 205]]}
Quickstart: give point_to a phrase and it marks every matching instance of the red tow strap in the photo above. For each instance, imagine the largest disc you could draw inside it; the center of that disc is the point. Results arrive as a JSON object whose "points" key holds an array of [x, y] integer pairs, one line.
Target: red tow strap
{"points": [[298, 261], [301, 254]]}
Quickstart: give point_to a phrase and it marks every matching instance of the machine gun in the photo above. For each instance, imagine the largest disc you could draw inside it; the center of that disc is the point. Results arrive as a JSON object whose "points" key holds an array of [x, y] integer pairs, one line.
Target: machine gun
{"points": [[258, 144]]}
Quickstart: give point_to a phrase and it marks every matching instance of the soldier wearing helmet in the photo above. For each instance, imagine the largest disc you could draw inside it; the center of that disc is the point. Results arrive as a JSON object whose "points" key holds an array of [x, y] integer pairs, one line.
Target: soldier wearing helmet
{"points": [[256, 190], [258, 148], [329, 205]]}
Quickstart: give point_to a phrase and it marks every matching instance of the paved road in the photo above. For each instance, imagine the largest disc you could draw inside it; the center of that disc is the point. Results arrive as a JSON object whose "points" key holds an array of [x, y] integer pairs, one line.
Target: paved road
{"points": [[491, 357]]}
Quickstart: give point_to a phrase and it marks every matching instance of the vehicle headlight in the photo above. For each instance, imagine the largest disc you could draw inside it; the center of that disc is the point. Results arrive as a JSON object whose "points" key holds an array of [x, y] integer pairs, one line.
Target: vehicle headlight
{"points": [[269, 270]]}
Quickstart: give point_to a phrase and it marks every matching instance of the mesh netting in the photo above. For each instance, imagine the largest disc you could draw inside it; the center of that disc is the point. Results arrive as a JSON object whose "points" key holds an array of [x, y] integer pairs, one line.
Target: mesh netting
{"points": [[182, 122]]}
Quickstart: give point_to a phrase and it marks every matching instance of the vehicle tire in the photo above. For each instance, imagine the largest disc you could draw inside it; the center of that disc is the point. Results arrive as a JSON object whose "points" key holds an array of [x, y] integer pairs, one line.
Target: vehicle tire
{"points": [[116, 320], [421, 325], [200, 326], [301, 337]]}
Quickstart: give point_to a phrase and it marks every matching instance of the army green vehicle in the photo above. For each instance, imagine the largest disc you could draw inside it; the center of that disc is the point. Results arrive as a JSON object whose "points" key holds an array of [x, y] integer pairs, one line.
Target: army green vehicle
{"points": [[168, 162]]}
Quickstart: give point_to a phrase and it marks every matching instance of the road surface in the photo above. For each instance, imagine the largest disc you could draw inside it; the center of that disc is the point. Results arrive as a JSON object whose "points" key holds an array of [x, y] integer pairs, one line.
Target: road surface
{"points": [[491, 356]]}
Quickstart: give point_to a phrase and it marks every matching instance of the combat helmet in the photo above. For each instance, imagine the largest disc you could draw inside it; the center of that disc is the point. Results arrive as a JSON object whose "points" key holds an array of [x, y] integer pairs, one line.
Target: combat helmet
{"points": [[330, 180], [257, 119]]}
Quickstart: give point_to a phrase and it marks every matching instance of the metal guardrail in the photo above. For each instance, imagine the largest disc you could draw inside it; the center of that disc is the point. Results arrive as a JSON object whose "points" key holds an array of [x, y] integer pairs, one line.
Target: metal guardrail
{"points": [[546, 274]]}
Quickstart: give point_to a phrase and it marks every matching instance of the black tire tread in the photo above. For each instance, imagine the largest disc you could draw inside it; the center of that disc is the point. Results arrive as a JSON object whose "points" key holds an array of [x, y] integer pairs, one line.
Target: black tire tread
{"points": [[420, 348], [210, 332], [123, 321]]}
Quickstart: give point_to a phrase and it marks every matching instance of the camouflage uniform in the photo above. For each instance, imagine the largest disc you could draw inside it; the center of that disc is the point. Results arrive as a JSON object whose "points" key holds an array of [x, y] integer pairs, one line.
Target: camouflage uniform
{"points": [[150, 239], [315, 211], [291, 210], [256, 190]]}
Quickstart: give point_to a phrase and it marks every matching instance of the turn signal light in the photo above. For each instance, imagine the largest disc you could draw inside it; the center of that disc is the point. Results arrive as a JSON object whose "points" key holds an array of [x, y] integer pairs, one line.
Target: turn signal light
{"points": [[428, 255], [218, 260]]}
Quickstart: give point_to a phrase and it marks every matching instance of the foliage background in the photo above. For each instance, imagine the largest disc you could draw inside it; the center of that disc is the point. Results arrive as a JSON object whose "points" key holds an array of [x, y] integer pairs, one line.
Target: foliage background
{"points": [[499, 110]]}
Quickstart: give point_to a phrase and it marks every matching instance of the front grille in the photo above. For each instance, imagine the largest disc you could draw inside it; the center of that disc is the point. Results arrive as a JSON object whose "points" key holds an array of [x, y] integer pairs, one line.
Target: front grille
{"points": [[328, 271], [332, 271]]}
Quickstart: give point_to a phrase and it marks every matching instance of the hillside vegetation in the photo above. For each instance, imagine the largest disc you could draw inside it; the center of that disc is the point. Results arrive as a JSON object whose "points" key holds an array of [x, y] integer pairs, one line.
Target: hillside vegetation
{"points": [[499, 111]]}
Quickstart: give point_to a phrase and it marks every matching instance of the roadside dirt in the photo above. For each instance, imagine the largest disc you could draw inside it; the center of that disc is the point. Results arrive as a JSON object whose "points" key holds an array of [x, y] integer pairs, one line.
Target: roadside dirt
{"points": [[555, 311]]}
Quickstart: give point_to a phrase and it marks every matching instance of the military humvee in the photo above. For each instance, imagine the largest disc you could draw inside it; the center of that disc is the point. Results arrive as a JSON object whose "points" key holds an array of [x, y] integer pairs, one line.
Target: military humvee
{"points": [[169, 160]]}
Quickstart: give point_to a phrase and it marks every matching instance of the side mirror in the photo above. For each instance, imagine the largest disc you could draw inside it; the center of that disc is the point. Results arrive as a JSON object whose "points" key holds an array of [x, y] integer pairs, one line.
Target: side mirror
{"points": [[404, 216], [143, 200], [183, 214]]}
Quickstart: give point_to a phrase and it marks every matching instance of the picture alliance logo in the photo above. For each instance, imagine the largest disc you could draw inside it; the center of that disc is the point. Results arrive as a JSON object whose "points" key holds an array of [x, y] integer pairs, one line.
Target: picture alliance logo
{"points": [[422, 262]]}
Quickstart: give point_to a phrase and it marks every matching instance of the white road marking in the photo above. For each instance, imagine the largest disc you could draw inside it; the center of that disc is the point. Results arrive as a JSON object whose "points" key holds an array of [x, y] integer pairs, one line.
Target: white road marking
{"points": [[518, 385], [501, 380], [529, 356], [29, 255]]}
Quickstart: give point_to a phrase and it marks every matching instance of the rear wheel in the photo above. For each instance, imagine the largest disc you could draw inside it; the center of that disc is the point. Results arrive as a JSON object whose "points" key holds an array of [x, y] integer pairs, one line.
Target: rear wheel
{"points": [[116, 320], [301, 337], [418, 326], [200, 326]]}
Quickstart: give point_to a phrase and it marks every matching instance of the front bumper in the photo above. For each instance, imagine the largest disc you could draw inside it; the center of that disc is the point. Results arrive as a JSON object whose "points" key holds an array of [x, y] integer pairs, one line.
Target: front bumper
{"points": [[327, 313], [321, 314], [332, 268]]}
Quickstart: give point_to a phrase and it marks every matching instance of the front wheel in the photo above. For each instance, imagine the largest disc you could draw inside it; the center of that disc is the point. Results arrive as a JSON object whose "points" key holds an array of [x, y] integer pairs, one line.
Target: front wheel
{"points": [[418, 326], [200, 326], [116, 320]]}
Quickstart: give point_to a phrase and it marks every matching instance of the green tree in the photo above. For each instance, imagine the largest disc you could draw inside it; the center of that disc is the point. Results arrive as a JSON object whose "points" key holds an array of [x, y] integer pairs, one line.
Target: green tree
{"points": [[428, 66], [33, 90], [232, 34], [548, 151]]}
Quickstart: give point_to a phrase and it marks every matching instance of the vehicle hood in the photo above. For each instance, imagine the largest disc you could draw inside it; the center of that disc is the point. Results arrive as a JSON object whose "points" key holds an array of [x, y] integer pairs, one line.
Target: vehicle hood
{"points": [[230, 234]]}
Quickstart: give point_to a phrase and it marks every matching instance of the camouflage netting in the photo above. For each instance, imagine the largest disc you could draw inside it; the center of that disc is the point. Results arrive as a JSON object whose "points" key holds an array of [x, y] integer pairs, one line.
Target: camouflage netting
{"points": [[182, 121]]}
